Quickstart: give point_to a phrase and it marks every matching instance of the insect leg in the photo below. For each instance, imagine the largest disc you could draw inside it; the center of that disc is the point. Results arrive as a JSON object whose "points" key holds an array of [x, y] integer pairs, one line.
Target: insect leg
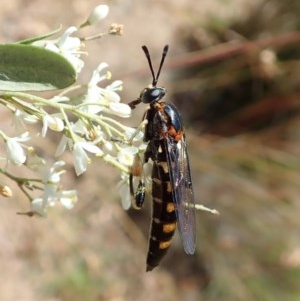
{"points": [[136, 170], [137, 130]]}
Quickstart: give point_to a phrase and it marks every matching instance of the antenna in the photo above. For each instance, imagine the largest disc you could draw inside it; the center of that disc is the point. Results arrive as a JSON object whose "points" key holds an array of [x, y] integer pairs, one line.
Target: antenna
{"points": [[164, 54]]}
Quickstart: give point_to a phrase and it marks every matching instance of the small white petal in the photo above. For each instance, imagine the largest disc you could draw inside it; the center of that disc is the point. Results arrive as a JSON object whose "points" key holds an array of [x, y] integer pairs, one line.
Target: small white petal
{"points": [[67, 203], [15, 152], [58, 98], [45, 125], [52, 47], [97, 75], [117, 85], [100, 67], [21, 118], [56, 124], [62, 145], [49, 194], [120, 109], [81, 159], [111, 96], [37, 206], [65, 38], [52, 175], [90, 147], [68, 198], [110, 147], [126, 155], [23, 137], [53, 178], [124, 192], [129, 132], [59, 164], [33, 161]]}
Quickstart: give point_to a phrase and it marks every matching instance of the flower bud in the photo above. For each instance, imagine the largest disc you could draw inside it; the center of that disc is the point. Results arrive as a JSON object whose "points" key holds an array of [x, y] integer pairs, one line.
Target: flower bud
{"points": [[5, 191], [99, 13]]}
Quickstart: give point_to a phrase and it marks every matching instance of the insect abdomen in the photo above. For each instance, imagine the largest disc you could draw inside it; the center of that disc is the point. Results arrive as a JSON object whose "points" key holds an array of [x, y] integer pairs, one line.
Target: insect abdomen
{"points": [[163, 217]]}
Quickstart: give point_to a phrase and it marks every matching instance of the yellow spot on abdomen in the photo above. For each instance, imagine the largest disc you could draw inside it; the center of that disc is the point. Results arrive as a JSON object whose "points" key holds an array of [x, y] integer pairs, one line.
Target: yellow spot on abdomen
{"points": [[169, 187], [167, 228], [170, 207], [164, 244]]}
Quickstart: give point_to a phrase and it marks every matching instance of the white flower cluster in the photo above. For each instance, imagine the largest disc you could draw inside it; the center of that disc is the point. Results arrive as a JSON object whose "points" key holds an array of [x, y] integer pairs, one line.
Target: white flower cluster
{"points": [[86, 122]]}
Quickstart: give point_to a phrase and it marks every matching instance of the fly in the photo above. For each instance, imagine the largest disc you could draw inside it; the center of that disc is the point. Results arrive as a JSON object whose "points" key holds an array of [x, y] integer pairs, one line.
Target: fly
{"points": [[172, 190]]}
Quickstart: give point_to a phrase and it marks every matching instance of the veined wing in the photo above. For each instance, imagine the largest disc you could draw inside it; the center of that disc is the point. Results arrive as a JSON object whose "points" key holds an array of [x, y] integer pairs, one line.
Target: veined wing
{"points": [[182, 190]]}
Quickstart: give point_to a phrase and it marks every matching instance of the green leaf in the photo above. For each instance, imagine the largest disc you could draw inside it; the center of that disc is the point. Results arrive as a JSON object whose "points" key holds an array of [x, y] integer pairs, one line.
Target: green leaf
{"points": [[31, 68]]}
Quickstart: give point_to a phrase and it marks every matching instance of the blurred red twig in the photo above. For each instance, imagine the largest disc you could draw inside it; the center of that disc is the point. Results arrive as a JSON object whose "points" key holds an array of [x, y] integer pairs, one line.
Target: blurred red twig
{"points": [[263, 110], [229, 49]]}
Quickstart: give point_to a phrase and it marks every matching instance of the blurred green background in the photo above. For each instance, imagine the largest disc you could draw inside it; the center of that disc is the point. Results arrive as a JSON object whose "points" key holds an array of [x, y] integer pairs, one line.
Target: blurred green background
{"points": [[232, 71]]}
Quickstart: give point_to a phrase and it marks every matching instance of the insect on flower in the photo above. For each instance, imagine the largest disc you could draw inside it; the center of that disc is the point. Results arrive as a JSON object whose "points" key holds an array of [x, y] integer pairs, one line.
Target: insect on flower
{"points": [[172, 191]]}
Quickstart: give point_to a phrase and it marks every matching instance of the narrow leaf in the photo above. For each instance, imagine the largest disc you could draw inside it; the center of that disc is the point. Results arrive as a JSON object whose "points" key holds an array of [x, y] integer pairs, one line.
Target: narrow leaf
{"points": [[41, 37]]}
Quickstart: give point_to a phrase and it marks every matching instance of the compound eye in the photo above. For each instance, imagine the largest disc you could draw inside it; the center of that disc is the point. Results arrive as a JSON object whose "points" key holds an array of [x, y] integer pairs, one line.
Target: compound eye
{"points": [[149, 95]]}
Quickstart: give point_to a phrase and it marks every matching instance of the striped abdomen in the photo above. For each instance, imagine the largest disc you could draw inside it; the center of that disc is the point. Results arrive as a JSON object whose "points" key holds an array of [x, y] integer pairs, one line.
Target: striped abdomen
{"points": [[163, 216]]}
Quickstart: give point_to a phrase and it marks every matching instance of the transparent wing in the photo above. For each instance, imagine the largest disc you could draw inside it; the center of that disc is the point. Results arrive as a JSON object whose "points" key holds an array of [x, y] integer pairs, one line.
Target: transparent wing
{"points": [[182, 189]]}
